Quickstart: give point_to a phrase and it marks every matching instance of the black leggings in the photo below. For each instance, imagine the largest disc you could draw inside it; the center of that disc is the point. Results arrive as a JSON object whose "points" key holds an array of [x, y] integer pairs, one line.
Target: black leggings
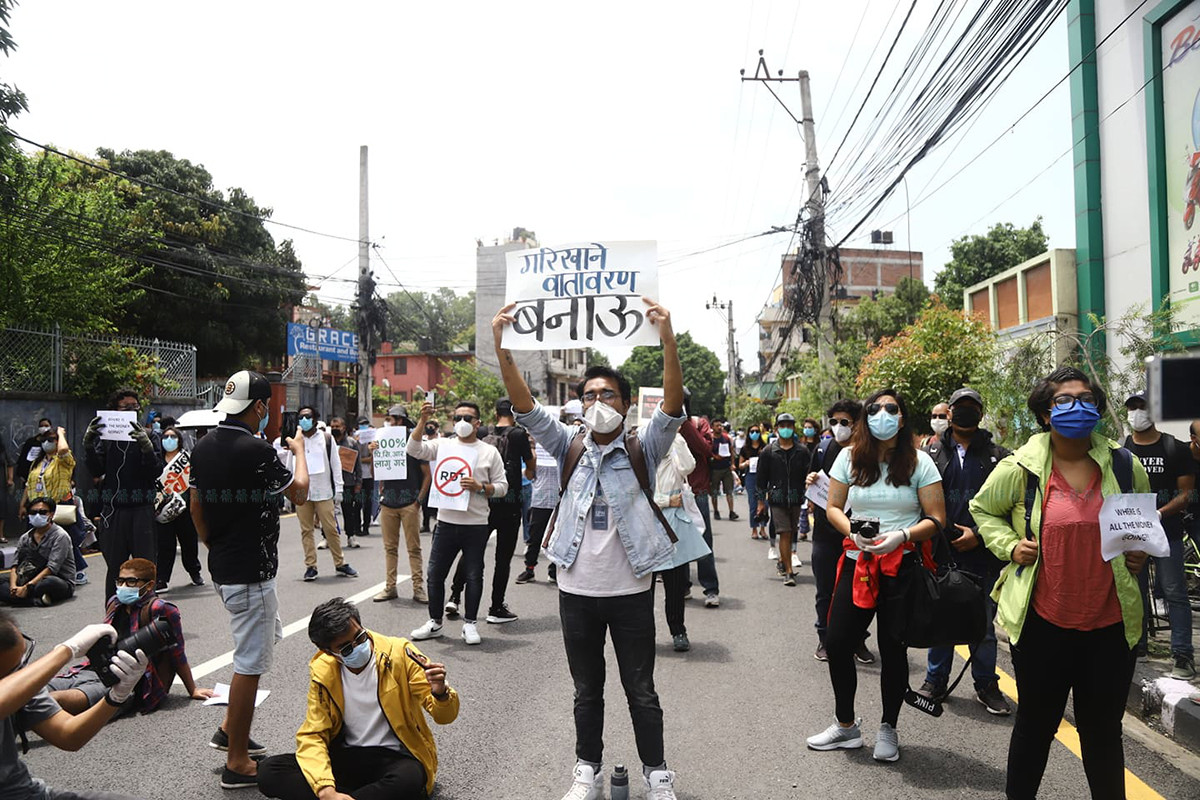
{"points": [[675, 585], [181, 530], [368, 773], [848, 625], [1096, 667]]}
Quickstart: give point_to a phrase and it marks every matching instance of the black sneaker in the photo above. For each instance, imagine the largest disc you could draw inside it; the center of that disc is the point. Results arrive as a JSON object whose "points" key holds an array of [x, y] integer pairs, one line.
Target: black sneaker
{"points": [[716, 515], [310, 574], [680, 642], [220, 741], [451, 608], [932, 691], [161, 587], [863, 654], [236, 780], [526, 576], [1185, 667], [197, 579], [346, 571], [500, 615], [781, 569], [552, 573], [789, 579], [733, 516], [821, 655], [993, 700]]}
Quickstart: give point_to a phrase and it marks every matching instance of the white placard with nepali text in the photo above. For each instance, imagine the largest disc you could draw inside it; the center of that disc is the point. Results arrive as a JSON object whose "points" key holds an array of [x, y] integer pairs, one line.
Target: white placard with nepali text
{"points": [[581, 295], [390, 458], [454, 462], [1130, 522], [818, 491], [118, 425]]}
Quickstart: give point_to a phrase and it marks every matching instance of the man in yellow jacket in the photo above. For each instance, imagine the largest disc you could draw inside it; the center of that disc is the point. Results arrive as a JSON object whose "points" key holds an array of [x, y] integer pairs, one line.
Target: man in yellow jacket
{"points": [[365, 735]]}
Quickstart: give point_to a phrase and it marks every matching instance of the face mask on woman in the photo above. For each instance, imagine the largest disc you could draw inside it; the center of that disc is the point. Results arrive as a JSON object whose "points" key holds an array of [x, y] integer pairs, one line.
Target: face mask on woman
{"points": [[44, 429], [170, 444], [49, 446], [809, 432], [1076, 421], [883, 425], [755, 436]]}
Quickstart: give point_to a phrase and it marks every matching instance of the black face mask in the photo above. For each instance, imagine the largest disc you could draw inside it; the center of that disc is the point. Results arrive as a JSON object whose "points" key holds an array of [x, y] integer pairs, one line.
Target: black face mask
{"points": [[966, 417]]}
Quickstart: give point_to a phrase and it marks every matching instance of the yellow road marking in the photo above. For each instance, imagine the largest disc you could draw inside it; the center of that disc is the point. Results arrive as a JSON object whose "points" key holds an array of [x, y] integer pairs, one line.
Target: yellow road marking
{"points": [[1135, 787]]}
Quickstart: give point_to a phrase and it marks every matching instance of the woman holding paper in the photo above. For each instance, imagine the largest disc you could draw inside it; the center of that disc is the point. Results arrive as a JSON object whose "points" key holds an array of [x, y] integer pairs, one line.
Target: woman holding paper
{"points": [[50, 474], [1073, 619], [748, 460]]}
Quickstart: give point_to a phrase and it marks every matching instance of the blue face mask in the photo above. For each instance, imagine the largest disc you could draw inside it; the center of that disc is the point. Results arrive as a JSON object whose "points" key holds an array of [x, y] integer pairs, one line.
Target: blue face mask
{"points": [[170, 444], [358, 657], [1076, 422], [306, 424], [128, 595], [363, 426], [262, 423], [884, 425], [754, 436], [810, 432], [785, 433], [158, 427]]}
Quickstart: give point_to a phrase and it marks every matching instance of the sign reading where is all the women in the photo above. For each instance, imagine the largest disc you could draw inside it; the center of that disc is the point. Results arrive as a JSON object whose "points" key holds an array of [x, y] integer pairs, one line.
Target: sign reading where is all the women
{"points": [[581, 295]]}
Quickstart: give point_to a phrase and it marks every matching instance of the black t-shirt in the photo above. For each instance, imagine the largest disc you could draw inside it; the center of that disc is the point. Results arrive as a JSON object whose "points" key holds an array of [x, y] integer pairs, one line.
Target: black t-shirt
{"points": [[515, 450], [1164, 473], [239, 478]]}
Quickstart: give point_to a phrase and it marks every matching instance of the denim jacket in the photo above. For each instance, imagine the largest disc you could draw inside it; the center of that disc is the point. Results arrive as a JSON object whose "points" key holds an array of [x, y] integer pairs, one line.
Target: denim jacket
{"points": [[608, 470]]}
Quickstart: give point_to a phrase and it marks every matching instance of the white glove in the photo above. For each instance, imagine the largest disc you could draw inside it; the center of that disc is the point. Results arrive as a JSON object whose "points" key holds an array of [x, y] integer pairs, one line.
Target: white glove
{"points": [[81, 642], [861, 542], [337, 498], [886, 543], [129, 670]]}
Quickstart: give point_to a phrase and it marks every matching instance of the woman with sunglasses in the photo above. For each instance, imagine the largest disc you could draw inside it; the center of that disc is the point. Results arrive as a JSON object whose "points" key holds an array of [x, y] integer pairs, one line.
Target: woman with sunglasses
{"points": [[1073, 619], [895, 493], [748, 461]]}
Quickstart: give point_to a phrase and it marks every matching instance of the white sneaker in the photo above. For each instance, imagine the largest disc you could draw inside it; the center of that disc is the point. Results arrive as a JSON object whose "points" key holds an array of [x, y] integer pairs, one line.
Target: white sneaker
{"points": [[352, 542], [660, 785], [321, 544], [796, 562], [427, 631], [588, 784], [773, 553], [470, 633]]}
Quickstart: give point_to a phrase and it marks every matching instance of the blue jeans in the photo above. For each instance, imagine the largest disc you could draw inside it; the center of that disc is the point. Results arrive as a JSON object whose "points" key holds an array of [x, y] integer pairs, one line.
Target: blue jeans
{"points": [[1171, 585], [706, 567], [983, 667]]}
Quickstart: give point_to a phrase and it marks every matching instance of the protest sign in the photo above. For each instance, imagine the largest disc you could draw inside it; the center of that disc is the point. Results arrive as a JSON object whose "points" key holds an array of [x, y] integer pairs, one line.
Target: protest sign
{"points": [[818, 491], [365, 435], [454, 462], [348, 457], [648, 399], [1130, 522], [391, 461], [581, 295], [314, 453], [118, 425]]}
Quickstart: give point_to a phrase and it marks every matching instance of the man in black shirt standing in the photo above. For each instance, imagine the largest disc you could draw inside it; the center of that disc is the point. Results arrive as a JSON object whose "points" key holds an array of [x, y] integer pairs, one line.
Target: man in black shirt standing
{"points": [[782, 479], [1171, 471], [236, 480]]}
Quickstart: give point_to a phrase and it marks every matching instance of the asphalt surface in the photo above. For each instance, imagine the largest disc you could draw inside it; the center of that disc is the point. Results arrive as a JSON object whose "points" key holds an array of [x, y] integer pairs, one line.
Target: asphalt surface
{"points": [[737, 707]]}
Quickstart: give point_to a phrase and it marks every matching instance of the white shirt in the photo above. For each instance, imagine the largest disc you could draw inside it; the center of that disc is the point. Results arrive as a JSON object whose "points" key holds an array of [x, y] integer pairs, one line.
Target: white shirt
{"points": [[363, 721], [602, 568]]}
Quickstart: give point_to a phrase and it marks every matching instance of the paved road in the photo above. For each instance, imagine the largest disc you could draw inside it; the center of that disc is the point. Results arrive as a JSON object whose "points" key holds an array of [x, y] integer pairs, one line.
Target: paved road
{"points": [[737, 707]]}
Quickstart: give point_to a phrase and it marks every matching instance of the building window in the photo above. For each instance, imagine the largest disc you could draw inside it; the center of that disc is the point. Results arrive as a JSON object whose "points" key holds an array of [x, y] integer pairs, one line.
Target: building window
{"points": [[400, 366]]}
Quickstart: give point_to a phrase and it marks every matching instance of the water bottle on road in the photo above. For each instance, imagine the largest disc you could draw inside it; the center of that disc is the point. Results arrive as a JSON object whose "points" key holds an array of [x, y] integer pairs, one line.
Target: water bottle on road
{"points": [[619, 785]]}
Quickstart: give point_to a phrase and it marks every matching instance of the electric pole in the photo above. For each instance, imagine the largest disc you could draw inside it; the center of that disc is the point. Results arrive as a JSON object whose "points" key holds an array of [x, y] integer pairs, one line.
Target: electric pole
{"points": [[726, 309], [365, 290]]}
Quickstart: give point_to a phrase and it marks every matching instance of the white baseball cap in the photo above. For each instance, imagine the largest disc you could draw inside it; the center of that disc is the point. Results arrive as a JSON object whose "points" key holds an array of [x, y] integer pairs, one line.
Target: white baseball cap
{"points": [[242, 389]]}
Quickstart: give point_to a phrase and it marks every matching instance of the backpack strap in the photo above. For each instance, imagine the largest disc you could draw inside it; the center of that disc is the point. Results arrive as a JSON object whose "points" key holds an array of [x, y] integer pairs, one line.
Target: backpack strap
{"points": [[1123, 469], [637, 457], [575, 452], [1031, 490]]}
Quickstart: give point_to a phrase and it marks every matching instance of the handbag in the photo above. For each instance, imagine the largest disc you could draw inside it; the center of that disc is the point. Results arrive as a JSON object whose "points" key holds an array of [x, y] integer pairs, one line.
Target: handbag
{"points": [[65, 513]]}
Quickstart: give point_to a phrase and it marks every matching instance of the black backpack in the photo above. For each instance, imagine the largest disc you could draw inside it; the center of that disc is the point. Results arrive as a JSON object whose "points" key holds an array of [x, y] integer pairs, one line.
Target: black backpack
{"points": [[512, 471]]}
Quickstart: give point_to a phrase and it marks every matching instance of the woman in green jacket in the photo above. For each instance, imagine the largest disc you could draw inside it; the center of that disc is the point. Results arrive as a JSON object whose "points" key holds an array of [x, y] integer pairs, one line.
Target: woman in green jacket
{"points": [[1072, 618]]}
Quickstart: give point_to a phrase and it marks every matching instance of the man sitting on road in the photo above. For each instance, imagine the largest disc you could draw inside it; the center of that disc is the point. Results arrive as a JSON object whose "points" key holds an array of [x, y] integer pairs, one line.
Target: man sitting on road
{"points": [[365, 736]]}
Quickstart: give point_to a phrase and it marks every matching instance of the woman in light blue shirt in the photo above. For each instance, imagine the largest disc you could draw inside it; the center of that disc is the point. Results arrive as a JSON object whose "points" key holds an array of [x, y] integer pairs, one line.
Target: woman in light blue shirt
{"points": [[897, 489]]}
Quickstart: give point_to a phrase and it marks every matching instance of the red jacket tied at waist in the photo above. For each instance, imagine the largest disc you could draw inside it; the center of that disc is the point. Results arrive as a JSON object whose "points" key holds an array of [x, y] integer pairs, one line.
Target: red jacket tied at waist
{"points": [[869, 568]]}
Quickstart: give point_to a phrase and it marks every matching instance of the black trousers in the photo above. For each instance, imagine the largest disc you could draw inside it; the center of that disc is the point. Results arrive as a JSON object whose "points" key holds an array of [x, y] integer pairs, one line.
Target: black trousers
{"points": [[675, 585], [52, 585], [368, 503], [367, 773], [507, 525], [449, 540], [181, 530], [826, 552], [848, 625], [1096, 667], [539, 518], [352, 505], [126, 532], [630, 621]]}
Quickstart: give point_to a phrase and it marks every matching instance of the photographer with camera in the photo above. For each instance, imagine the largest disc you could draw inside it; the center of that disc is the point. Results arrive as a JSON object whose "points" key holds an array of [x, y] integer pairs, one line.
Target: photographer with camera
{"points": [[26, 705], [135, 612]]}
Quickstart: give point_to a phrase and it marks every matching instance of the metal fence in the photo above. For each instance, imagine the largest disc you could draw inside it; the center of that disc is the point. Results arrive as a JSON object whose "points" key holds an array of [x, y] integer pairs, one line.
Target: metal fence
{"points": [[51, 362]]}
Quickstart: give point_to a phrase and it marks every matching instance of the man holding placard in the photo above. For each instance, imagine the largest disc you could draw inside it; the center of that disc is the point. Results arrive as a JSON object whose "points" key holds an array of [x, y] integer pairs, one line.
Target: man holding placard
{"points": [[122, 450], [402, 486], [325, 491], [607, 540], [466, 473]]}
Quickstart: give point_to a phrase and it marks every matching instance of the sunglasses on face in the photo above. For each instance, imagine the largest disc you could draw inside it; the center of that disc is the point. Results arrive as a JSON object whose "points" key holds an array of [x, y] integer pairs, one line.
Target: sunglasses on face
{"points": [[134, 407], [305, 416], [42, 510], [1065, 401], [607, 395], [890, 408], [345, 650], [940, 416], [845, 422], [464, 417], [130, 582]]}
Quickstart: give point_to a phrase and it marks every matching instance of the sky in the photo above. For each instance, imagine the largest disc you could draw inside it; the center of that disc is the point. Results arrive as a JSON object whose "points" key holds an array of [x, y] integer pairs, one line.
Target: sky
{"points": [[619, 121]]}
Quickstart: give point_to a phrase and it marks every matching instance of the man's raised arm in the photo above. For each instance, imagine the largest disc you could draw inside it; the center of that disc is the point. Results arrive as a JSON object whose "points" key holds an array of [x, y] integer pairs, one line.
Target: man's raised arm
{"points": [[514, 383]]}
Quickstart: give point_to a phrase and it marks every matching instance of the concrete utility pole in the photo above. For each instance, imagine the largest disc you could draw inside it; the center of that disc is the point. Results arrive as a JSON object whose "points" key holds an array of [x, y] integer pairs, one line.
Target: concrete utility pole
{"points": [[364, 290], [731, 344]]}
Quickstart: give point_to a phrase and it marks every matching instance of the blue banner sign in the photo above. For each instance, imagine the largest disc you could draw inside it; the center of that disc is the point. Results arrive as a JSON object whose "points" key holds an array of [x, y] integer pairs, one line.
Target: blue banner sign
{"points": [[327, 343]]}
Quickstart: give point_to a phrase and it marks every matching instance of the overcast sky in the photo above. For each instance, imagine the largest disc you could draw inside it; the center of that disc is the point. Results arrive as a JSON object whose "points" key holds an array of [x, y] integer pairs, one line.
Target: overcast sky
{"points": [[621, 120]]}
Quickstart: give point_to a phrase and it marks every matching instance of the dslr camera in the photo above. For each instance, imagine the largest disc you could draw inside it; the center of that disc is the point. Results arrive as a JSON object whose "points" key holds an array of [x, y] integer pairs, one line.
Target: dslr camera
{"points": [[151, 640]]}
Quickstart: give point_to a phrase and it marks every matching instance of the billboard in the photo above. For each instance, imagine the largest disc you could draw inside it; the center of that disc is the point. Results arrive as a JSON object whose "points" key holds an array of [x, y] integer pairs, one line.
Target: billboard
{"points": [[329, 344]]}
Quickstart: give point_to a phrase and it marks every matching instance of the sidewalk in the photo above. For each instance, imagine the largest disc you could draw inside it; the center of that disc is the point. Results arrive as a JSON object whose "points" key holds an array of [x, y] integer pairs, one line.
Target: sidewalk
{"points": [[1165, 702]]}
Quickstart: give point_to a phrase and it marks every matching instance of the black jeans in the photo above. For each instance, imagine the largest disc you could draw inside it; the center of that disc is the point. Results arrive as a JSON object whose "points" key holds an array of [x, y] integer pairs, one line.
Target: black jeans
{"points": [[1096, 666], [539, 518], [182, 530], [52, 585], [448, 541], [848, 625], [368, 503], [507, 525], [826, 551], [706, 566], [675, 585], [352, 511], [368, 773], [630, 620], [127, 532]]}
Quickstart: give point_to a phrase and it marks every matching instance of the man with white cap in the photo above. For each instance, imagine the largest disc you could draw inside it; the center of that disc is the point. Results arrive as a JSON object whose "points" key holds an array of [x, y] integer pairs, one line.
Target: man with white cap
{"points": [[236, 481]]}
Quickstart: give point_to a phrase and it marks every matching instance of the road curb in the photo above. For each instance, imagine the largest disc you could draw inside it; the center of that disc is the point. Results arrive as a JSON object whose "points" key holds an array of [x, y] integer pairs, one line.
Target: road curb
{"points": [[1168, 701]]}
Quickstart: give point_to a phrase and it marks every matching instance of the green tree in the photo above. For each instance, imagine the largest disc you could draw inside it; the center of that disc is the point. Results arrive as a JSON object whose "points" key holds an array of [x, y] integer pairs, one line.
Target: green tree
{"points": [[742, 411], [701, 373], [467, 381], [434, 321], [597, 359], [1005, 380], [875, 319], [929, 359], [977, 257], [12, 99]]}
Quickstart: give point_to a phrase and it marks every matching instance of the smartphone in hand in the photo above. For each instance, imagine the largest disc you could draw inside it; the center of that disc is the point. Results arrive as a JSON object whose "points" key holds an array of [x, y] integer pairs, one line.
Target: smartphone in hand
{"points": [[422, 660], [287, 427]]}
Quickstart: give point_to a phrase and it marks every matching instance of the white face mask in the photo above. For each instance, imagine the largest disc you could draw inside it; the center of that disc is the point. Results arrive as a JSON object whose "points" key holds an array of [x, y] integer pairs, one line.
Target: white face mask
{"points": [[939, 425], [1139, 419], [44, 429], [463, 429], [841, 433], [602, 418]]}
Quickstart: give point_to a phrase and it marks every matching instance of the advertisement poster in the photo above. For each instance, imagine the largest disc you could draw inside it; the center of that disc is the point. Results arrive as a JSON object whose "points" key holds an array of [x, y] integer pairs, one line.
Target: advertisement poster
{"points": [[648, 399], [1181, 142]]}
